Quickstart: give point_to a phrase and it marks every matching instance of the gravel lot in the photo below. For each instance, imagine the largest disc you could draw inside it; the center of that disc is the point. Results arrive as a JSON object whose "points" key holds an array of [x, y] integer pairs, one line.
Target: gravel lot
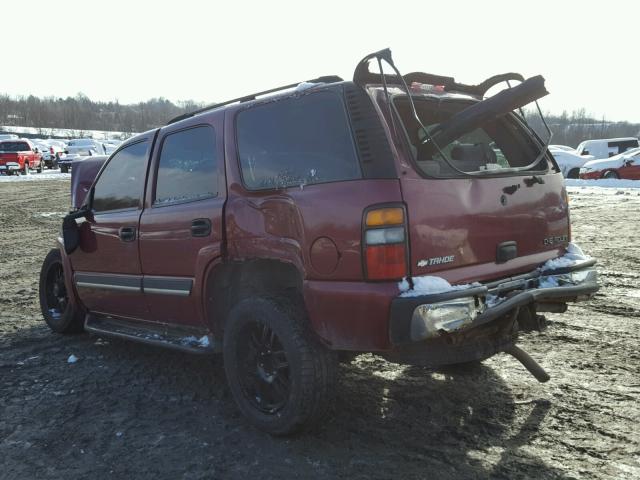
{"points": [[131, 411]]}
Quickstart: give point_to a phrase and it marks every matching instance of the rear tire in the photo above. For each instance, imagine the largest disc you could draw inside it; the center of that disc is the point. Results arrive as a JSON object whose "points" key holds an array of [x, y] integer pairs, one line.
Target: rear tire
{"points": [[573, 173], [58, 312], [611, 175], [64, 169], [281, 377]]}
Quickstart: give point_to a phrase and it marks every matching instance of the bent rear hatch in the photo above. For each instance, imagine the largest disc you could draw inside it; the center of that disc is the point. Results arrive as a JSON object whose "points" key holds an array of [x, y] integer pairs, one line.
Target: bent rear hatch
{"points": [[486, 210]]}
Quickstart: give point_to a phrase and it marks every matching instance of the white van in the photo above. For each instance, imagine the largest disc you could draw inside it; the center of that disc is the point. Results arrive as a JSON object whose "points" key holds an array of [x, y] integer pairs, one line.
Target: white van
{"points": [[606, 147]]}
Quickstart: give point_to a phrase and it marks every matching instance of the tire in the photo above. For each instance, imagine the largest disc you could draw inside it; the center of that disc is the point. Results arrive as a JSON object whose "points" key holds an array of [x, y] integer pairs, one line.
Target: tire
{"points": [[611, 175], [40, 167], [64, 169], [25, 170], [573, 173], [280, 376], [58, 313]]}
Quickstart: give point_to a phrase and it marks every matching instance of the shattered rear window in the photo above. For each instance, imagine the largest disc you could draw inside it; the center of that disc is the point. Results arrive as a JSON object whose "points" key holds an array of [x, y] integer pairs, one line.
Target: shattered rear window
{"points": [[498, 145]]}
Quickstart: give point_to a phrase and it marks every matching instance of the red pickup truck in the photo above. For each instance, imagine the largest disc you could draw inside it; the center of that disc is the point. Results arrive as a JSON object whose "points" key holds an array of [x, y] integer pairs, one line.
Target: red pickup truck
{"points": [[19, 156]]}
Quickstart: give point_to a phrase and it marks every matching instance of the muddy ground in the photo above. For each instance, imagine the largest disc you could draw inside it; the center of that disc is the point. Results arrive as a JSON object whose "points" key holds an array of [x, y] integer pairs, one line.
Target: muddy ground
{"points": [[131, 411]]}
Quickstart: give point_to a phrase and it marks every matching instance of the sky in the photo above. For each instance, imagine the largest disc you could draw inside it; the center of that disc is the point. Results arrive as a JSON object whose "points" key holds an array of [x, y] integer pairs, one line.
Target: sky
{"points": [[208, 51]]}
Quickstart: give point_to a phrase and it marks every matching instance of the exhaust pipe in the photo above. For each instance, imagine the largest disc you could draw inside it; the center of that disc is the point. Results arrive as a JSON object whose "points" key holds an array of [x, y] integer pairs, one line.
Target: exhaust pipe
{"points": [[529, 363]]}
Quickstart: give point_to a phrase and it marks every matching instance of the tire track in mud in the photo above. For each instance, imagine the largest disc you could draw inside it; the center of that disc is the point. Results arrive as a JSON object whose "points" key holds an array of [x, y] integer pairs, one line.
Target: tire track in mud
{"points": [[126, 410]]}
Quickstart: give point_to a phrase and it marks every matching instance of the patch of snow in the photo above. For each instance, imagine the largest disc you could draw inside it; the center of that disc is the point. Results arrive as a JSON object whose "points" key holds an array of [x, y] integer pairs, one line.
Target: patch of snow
{"points": [[306, 85], [548, 282], [573, 255], [72, 359], [119, 434], [50, 175], [602, 183], [429, 285], [194, 341]]}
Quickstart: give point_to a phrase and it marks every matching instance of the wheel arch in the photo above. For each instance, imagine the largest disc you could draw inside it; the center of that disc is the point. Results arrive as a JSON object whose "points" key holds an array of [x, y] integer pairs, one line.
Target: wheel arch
{"points": [[229, 282]]}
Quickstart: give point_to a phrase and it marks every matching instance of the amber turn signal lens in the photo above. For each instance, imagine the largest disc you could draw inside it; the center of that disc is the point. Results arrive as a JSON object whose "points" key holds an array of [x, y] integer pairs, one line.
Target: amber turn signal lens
{"points": [[384, 216]]}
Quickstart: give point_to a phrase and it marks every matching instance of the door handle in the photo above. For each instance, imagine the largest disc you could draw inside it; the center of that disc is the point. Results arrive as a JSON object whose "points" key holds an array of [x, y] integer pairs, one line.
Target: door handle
{"points": [[127, 234], [200, 227]]}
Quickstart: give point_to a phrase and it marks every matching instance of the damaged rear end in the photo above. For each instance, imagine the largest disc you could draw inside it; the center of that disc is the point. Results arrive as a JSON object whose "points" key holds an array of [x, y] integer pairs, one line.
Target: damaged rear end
{"points": [[487, 217]]}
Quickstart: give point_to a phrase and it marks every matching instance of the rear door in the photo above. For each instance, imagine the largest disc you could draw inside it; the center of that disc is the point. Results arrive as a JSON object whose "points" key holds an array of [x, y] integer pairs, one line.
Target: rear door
{"points": [[107, 265], [181, 230], [481, 227]]}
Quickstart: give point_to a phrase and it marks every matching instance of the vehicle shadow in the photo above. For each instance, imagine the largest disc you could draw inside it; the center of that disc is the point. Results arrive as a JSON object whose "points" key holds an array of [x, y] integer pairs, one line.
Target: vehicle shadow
{"points": [[152, 413]]}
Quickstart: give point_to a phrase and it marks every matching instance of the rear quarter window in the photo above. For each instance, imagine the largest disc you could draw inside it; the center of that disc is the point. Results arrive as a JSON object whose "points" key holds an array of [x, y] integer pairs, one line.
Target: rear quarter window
{"points": [[296, 141]]}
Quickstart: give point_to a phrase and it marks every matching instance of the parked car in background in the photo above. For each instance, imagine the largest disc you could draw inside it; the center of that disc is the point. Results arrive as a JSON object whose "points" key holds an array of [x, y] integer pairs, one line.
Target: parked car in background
{"points": [[625, 166], [95, 145], [562, 147], [568, 160], [282, 229], [19, 156], [73, 153], [606, 147]]}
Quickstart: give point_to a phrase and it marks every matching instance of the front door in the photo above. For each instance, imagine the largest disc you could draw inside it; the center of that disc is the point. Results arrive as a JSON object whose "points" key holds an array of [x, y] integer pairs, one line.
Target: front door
{"points": [[181, 230], [106, 264]]}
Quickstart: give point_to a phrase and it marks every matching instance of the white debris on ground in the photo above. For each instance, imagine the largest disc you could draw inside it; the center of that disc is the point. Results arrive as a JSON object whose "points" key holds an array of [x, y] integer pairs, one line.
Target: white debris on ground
{"points": [[196, 342], [573, 255], [429, 285], [72, 359]]}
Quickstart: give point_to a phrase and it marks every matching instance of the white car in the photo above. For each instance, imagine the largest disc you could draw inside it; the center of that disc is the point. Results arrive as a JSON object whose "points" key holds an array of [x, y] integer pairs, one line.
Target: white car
{"points": [[87, 143], [607, 147], [569, 161]]}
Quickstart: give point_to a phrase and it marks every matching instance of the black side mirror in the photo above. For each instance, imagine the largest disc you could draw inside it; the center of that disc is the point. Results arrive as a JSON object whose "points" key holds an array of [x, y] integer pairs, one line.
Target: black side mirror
{"points": [[71, 231]]}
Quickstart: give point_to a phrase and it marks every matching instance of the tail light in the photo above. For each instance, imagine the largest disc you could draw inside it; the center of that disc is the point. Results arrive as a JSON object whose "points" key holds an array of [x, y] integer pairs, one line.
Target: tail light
{"points": [[385, 243]]}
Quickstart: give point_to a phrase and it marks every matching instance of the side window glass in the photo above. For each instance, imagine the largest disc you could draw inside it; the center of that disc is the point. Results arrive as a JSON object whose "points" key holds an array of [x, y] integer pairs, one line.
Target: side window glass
{"points": [[187, 170], [121, 182], [296, 141]]}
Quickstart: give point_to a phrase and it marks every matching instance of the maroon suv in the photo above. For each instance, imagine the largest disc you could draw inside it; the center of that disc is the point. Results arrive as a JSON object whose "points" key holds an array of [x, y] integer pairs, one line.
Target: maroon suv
{"points": [[406, 216]]}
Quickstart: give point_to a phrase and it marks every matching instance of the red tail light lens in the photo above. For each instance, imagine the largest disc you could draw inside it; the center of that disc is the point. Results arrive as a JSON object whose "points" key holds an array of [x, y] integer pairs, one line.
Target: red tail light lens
{"points": [[386, 262], [385, 243]]}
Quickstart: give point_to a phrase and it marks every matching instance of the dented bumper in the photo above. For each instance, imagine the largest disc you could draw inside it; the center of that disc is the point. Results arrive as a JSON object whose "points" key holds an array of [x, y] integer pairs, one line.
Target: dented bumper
{"points": [[419, 318]]}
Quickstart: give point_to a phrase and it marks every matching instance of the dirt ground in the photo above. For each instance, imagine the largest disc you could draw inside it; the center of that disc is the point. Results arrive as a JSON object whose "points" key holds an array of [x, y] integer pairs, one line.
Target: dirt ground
{"points": [[131, 411]]}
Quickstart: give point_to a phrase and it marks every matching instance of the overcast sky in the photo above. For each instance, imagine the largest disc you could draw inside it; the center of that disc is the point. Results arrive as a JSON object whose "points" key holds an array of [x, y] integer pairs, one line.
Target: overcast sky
{"points": [[133, 50]]}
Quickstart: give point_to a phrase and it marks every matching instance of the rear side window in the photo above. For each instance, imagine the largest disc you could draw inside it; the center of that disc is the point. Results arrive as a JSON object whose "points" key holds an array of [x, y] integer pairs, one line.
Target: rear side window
{"points": [[14, 147], [187, 170], [296, 141], [121, 182]]}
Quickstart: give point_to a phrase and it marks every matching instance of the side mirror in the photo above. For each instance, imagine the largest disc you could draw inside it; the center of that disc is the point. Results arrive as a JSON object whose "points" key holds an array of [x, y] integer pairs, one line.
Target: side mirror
{"points": [[71, 231]]}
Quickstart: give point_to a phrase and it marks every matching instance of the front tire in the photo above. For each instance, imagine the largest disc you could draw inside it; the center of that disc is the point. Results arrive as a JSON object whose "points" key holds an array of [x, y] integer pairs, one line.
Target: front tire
{"points": [[574, 173], [58, 312], [64, 169], [611, 175], [25, 170], [281, 377], [40, 167]]}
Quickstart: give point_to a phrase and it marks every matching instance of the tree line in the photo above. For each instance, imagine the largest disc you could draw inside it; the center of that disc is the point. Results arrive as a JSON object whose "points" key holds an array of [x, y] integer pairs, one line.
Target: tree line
{"points": [[572, 128], [81, 113]]}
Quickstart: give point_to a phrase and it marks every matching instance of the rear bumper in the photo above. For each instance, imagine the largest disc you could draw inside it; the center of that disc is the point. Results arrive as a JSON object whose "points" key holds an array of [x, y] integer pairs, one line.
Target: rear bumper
{"points": [[427, 317], [10, 167]]}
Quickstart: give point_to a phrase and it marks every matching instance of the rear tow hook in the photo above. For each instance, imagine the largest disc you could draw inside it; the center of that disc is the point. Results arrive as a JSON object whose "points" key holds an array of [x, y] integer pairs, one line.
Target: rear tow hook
{"points": [[529, 363]]}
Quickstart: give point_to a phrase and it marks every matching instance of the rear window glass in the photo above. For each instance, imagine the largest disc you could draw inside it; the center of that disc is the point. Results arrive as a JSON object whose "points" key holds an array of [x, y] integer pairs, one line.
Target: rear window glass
{"points": [[187, 167], [296, 141], [498, 144], [121, 182], [14, 147]]}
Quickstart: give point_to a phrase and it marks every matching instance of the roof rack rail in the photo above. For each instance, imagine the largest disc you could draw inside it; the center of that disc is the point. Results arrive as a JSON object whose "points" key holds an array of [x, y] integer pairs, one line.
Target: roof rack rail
{"points": [[247, 98]]}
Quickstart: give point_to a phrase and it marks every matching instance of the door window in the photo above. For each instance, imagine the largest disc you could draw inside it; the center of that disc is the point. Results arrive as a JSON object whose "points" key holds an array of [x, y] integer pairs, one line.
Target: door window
{"points": [[121, 182], [187, 170]]}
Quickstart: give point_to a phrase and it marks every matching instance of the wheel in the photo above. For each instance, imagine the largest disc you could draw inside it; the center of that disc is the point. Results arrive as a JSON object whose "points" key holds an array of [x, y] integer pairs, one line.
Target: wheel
{"points": [[64, 169], [611, 175], [40, 167], [573, 173], [280, 376], [60, 315], [25, 171]]}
